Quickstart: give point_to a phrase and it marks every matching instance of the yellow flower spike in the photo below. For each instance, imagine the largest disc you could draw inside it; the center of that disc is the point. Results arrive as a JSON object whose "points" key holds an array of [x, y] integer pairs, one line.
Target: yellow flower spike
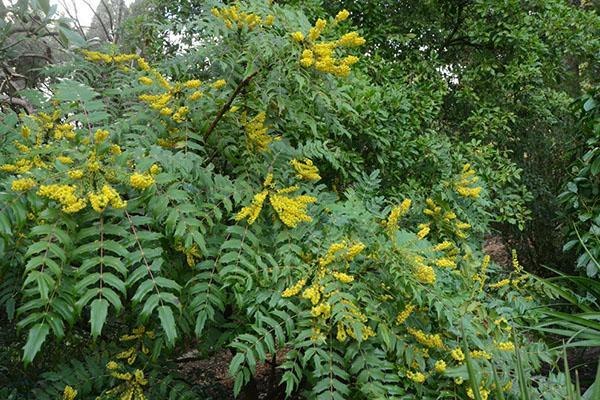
{"points": [[352, 39], [424, 230], [306, 170], [294, 290], [342, 15], [144, 80], [480, 354], [195, 96], [298, 36], [218, 84], [313, 294], [154, 169], [397, 212], [166, 111], [433, 341], [505, 346], [403, 316], [22, 185], [425, 274], [112, 365], [342, 277], [179, 115], [69, 393], [253, 210], [445, 263], [417, 377], [291, 210], [141, 181], [256, 133], [499, 284], [193, 84], [354, 250], [269, 20], [139, 377], [457, 354], [440, 366]]}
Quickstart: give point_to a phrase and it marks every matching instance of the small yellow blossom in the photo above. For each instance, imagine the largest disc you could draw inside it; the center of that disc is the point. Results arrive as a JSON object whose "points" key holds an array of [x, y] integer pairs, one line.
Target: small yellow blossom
{"points": [[425, 274], [506, 346], [445, 263], [342, 277], [218, 84], [500, 284], [193, 84], [253, 210], [144, 80], [403, 316], [141, 181], [196, 95], [417, 377], [75, 174], [342, 15], [101, 135], [306, 170], [65, 159], [22, 185], [457, 354], [423, 231], [397, 212], [69, 393], [294, 290], [440, 366], [298, 37], [291, 210], [433, 341]]}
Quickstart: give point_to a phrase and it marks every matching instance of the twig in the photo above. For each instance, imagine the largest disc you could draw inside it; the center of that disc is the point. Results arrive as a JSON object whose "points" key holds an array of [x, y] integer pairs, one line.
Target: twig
{"points": [[227, 105], [17, 101]]}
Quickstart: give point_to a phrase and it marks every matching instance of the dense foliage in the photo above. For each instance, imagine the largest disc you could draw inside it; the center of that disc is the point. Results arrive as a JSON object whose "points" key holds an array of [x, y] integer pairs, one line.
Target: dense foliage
{"points": [[273, 182]]}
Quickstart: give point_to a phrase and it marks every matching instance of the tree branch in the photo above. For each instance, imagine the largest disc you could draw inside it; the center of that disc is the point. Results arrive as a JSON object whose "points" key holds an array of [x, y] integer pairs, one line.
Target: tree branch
{"points": [[227, 105], [17, 102]]}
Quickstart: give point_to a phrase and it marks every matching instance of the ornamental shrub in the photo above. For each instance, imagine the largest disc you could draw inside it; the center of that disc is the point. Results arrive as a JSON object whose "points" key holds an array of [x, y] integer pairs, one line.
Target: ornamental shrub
{"points": [[218, 200]]}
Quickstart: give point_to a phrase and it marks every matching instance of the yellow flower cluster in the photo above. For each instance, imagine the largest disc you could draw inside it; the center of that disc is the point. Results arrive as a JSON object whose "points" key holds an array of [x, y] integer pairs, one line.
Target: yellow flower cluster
{"points": [[431, 209], [22, 185], [233, 17], [417, 377], [306, 170], [108, 195], [179, 115], [253, 210], [515, 262], [348, 252], [321, 310], [256, 132], [397, 212], [65, 195], [69, 393], [465, 186], [141, 181], [313, 293], [457, 354], [294, 290], [480, 354], [132, 387], [291, 210], [322, 55], [191, 254], [500, 284], [433, 341], [96, 56], [505, 346], [101, 135], [424, 230], [445, 245], [342, 15], [440, 366], [425, 274], [342, 277], [445, 263], [483, 392], [404, 314], [482, 275]]}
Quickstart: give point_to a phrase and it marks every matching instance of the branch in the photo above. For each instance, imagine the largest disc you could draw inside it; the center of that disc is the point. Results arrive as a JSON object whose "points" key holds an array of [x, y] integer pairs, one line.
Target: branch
{"points": [[17, 102], [227, 105], [99, 20]]}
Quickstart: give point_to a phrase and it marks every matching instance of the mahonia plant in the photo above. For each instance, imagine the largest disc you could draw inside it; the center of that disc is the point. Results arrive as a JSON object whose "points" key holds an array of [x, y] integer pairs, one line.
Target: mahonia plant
{"points": [[180, 213]]}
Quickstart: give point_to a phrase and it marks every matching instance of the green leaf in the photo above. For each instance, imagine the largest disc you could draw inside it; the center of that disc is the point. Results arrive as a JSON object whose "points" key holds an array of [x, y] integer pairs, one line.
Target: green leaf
{"points": [[98, 313], [168, 323], [35, 339]]}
